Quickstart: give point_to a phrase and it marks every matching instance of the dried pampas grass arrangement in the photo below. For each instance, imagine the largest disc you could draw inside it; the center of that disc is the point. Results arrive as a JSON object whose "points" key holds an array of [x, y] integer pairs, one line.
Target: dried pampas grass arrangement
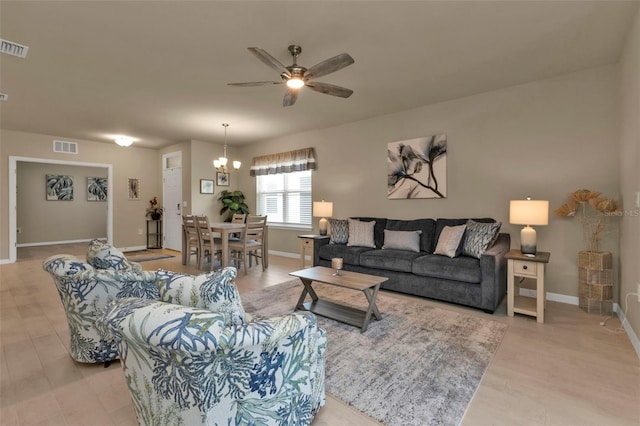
{"points": [[592, 211]]}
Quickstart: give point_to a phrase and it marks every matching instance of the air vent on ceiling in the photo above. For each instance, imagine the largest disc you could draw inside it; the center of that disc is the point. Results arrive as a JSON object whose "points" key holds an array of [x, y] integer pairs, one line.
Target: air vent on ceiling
{"points": [[65, 147], [3, 97], [14, 49]]}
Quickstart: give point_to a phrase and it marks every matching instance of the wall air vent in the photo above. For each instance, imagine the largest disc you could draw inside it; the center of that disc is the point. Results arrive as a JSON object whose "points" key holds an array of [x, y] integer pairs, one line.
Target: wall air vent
{"points": [[65, 147], [11, 48], [3, 97]]}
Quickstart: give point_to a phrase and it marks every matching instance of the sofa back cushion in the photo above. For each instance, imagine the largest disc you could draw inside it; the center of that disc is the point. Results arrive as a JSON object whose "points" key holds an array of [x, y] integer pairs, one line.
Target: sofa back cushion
{"points": [[378, 229], [427, 226]]}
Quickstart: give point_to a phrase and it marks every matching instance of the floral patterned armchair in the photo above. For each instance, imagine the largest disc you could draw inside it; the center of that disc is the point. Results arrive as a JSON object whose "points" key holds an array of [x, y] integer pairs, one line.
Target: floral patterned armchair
{"points": [[206, 363], [85, 288]]}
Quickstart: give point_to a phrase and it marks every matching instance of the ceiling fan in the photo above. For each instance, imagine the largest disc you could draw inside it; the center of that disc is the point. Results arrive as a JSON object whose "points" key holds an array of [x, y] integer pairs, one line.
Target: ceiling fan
{"points": [[295, 76]]}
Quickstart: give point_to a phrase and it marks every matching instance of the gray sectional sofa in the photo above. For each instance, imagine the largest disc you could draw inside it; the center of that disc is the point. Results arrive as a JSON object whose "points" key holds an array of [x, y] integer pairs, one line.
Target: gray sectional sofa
{"points": [[465, 280]]}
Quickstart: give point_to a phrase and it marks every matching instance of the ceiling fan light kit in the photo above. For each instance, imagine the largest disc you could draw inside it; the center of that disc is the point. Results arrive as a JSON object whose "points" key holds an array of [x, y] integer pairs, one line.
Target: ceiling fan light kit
{"points": [[296, 76]]}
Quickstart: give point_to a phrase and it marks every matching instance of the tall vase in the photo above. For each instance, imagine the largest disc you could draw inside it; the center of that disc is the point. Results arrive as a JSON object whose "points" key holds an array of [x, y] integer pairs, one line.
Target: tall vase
{"points": [[595, 281]]}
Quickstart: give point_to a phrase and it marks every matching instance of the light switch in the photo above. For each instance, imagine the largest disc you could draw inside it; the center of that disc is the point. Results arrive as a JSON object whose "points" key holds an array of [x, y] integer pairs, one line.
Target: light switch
{"points": [[637, 199]]}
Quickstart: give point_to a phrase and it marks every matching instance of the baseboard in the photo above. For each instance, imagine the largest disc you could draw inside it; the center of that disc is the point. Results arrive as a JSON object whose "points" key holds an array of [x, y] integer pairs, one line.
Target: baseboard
{"points": [[285, 254], [51, 243], [554, 297], [5, 261], [134, 248]]}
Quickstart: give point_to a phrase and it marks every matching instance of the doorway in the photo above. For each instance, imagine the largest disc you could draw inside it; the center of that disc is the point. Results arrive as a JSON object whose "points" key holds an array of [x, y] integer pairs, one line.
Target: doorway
{"points": [[13, 191], [172, 200]]}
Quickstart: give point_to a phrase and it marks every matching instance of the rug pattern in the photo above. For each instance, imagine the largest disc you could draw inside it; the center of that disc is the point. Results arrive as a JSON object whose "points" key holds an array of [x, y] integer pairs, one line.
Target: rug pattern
{"points": [[419, 365]]}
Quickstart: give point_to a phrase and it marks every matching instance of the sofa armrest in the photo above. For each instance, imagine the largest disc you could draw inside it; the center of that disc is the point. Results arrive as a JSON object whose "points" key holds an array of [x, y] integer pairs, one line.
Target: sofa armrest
{"points": [[317, 243], [493, 269]]}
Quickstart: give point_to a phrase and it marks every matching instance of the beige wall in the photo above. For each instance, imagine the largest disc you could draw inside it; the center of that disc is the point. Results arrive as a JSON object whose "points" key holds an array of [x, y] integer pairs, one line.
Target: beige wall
{"points": [[52, 221], [629, 175], [128, 216], [543, 139]]}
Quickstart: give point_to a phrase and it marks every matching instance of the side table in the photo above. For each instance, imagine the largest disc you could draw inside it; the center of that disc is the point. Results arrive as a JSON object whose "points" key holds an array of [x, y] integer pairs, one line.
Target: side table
{"points": [[309, 242], [523, 266]]}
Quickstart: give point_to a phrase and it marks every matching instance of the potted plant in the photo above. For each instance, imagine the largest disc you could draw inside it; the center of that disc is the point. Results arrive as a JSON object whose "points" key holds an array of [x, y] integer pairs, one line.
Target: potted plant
{"points": [[154, 211], [232, 202]]}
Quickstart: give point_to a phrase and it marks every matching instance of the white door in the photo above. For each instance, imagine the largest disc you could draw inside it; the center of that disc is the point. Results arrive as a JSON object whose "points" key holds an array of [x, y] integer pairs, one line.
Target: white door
{"points": [[172, 198]]}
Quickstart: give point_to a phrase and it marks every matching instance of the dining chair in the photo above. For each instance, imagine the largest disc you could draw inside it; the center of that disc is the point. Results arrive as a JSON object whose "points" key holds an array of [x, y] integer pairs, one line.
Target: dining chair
{"points": [[192, 240], [251, 242], [207, 242]]}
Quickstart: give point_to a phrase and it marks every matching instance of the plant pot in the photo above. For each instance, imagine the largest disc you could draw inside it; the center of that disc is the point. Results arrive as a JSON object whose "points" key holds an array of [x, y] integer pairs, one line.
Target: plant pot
{"points": [[155, 216]]}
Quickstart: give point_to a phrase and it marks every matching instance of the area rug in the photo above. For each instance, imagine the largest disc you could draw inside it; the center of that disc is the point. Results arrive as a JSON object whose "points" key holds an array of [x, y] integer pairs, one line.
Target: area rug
{"points": [[146, 255], [419, 365]]}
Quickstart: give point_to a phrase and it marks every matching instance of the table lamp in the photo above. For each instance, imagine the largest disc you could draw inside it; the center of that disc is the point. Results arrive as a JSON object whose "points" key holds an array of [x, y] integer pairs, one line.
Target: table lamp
{"points": [[528, 212], [322, 209]]}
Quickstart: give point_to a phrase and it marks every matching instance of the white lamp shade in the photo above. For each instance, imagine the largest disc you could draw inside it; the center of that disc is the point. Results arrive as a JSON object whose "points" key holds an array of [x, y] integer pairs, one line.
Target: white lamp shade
{"points": [[222, 161], [322, 209], [236, 165], [529, 212]]}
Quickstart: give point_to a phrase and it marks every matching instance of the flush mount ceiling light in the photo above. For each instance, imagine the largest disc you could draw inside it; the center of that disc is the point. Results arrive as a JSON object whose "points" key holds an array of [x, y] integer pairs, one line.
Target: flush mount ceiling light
{"points": [[123, 140], [221, 163]]}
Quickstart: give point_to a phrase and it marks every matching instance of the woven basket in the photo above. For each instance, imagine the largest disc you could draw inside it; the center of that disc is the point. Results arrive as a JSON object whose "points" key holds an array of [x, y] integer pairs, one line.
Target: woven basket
{"points": [[595, 291], [598, 260], [595, 276]]}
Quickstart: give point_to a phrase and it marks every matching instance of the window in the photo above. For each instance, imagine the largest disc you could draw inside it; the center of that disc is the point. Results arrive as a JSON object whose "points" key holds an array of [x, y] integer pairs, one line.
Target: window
{"points": [[285, 198]]}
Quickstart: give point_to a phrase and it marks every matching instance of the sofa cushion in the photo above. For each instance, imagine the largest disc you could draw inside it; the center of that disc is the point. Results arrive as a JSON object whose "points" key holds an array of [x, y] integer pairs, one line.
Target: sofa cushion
{"points": [[361, 233], [339, 231], [449, 241], [478, 237], [378, 229], [391, 260], [461, 268], [441, 223], [349, 255], [214, 291], [402, 240], [101, 255], [427, 226]]}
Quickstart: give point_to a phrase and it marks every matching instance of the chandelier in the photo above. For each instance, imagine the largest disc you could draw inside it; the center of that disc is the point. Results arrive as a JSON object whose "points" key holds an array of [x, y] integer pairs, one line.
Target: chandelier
{"points": [[221, 163]]}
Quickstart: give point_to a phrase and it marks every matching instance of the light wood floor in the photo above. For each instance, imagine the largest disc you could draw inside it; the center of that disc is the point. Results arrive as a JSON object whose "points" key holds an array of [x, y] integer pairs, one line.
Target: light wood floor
{"points": [[568, 371]]}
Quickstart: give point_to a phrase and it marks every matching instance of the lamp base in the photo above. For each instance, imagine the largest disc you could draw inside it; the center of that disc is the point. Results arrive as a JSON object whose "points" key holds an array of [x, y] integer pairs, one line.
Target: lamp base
{"points": [[528, 240], [323, 226]]}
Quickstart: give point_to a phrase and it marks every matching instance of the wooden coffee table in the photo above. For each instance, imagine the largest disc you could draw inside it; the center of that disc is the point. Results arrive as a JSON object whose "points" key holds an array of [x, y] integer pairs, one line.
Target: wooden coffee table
{"points": [[368, 284]]}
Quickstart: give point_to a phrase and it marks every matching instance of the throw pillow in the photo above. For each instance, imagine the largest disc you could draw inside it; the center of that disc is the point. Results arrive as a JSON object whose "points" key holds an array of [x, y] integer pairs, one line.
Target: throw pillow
{"points": [[449, 241], [104, 256], [361, 233], [402, 240], [215, 291], [478, 237], [339, 231]]}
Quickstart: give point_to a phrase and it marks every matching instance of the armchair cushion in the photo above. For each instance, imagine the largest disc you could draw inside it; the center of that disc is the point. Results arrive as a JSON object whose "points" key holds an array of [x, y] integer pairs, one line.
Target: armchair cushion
{"points": [[184, 365], [84, 291], [104, 256], [214, 291]]}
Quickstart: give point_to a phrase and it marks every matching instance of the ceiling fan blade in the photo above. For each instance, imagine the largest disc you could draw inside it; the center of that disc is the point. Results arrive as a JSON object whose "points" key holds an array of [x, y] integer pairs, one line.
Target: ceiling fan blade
{"points": [[255, 83], [330, 89], [290, 97], [330, 65], [270, 60]]}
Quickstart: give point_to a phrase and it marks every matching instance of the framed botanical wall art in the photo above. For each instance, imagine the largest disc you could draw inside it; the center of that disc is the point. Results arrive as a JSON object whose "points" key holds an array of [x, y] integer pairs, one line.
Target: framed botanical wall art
{"points": [[417, 168], [134, 188], [96, 189], [59, 188], [206, 186], [222, 179]]}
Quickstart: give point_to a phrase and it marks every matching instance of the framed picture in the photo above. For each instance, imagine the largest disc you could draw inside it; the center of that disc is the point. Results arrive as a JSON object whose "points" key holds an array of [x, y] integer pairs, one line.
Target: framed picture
{"points": [[206, 186], [222, 178], [134, 188], [96, 189], [417, 168], [59, 188]]}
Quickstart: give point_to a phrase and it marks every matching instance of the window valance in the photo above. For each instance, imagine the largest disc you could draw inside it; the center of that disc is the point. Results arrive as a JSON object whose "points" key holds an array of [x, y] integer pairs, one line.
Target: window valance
{"points": [[284, 162]]}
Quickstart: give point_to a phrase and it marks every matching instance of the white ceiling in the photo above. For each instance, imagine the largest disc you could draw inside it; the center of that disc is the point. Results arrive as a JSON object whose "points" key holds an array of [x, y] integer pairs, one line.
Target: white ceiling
{"points": [[157, 71]]}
